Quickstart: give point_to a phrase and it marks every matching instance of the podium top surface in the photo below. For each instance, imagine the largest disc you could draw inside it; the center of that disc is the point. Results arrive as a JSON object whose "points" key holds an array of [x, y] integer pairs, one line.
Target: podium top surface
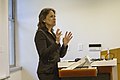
{"points": [[112, 62]]}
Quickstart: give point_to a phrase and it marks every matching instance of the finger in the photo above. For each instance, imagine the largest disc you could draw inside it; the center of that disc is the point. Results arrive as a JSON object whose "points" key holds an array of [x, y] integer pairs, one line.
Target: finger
{"points": [[60, 33], [57, 31], [66, 33], [69, 34], [70, 37]]}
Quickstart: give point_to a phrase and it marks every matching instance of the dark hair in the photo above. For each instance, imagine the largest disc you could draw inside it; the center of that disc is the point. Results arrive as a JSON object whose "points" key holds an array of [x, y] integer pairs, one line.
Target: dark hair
{"points": [[44, 12]]}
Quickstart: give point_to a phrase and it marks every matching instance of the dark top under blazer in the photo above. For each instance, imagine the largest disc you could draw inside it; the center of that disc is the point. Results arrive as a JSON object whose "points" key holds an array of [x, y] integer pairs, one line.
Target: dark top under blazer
{"points": [[49, 52]]}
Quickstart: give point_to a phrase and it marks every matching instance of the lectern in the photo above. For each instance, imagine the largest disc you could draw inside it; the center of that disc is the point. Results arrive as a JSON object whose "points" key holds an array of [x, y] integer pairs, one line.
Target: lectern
{"points": [[99, 70]]}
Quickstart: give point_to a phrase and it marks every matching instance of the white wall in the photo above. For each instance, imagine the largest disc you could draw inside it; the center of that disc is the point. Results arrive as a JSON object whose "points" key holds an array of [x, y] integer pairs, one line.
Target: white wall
{"points": [[91, 21]]}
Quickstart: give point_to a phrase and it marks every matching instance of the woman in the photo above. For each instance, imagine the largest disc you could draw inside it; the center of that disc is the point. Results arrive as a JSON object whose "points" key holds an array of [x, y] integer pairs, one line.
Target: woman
{"points": [[48, 45]]}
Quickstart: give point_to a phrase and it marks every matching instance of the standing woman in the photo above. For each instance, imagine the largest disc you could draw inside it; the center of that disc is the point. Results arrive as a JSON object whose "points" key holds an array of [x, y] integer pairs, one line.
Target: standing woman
{"points": [[48, 45]]}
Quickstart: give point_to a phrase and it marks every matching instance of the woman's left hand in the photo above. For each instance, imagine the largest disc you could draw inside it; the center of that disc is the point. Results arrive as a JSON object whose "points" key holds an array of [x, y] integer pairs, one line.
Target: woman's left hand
{"points": [[68, 36]]}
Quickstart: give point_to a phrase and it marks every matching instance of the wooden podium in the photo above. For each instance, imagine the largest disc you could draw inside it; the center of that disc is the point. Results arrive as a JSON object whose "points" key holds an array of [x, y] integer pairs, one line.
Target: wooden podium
{"points": [[99, 70], [79, 72]]}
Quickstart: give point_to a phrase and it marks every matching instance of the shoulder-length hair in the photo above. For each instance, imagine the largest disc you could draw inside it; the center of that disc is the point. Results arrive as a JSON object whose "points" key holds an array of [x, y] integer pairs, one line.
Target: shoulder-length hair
{"points": [[44, 12]]}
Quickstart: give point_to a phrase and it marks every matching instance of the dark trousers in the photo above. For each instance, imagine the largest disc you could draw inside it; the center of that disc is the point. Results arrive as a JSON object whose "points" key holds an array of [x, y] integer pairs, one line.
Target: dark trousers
{"points": [[48, 77]]}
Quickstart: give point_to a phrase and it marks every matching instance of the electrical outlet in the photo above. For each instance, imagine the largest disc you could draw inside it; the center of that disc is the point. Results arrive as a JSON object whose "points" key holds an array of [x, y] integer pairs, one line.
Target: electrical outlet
{"points": [[80, 47]]}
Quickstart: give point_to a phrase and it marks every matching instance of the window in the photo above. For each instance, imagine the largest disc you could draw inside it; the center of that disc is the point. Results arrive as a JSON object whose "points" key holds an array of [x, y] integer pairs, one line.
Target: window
{"points": [[11, 27]]}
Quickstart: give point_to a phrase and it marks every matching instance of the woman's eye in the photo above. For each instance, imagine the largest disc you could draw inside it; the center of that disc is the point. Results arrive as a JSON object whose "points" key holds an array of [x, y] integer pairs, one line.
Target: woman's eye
{"points": [[52, 16]]}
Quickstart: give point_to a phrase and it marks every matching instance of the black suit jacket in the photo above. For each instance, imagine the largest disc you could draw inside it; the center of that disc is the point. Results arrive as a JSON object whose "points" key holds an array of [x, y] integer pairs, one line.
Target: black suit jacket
{"points": [[49, 52]]}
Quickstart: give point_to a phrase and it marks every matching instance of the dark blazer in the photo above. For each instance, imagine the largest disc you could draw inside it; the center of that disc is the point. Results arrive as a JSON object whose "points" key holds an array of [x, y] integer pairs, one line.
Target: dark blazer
{"points": [[49, 52]]}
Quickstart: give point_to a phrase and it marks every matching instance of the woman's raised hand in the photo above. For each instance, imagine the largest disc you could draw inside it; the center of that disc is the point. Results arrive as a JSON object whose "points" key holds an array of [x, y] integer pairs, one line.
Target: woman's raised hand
{"points": [[68, 36]]}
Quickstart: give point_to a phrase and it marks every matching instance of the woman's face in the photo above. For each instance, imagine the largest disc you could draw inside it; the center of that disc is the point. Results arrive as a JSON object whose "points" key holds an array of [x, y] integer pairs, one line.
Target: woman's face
{"points": [[50, 20]]}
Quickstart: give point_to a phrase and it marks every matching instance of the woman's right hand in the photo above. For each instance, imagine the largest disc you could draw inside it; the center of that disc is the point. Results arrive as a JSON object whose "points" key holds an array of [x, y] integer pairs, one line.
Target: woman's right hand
{"points": [[58, 35]]}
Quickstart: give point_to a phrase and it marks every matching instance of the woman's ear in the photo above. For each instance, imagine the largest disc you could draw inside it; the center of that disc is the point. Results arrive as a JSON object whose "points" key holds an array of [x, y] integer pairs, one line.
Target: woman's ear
{"points": [[44, 20]]}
